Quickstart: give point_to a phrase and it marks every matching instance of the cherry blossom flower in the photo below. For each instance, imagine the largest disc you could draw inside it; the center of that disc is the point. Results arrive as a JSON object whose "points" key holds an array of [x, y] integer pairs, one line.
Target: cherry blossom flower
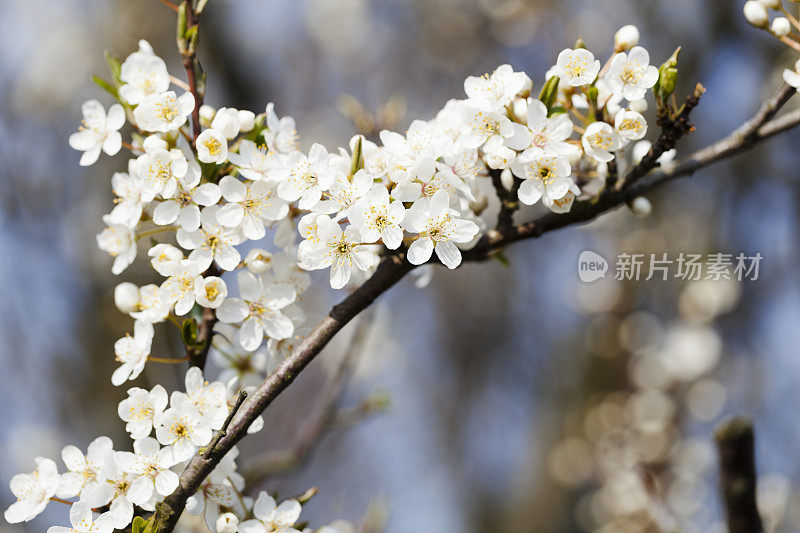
{"points": [[542, 135], [626, 37], [83, 521], [127, 186], [113, 491], [211, 292], [132, 352], [160, 171], [164, 256], [630, 125], [163, 112], [270, 517], [577, 67], [141, 409], [180, 287], [344, 192], [212, 146], [493, 92], [207, 398], [98, 131], [631, 74], [340, 250], [183, 204], [308, 177], [545, 177], [211, 242], [33, 491], [378, 218], [258, 162], [120, 243], [143, 73], [236, 363], [151, 308], [438, 230], [226, 122], [599, 140], [259, 309], [182, 428], [250, 206], [564, 204], [149, 465], [485, 128], [83, 471], [280, 134]]}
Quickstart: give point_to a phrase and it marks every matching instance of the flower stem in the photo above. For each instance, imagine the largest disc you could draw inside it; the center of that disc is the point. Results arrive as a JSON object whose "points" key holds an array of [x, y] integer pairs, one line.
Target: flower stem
{"points": [[168, 359]]}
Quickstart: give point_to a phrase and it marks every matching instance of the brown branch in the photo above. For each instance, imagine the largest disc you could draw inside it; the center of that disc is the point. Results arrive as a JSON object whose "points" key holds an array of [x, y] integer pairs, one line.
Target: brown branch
{"points": [[197, 352], [394, 267], [224, 429], [192, 67], [737, 475], [277, 461], [509, 201]]}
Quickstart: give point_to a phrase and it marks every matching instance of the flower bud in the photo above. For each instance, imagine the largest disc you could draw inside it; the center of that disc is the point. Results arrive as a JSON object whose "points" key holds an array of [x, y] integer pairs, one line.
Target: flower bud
{"points": [[781, 27], [207, 114], [756, 14], [126, 297], [640, 207], [227, 523], [247, 120], [640, 106], [626, 38], [226, 121], [258, 260], [772, 4]]}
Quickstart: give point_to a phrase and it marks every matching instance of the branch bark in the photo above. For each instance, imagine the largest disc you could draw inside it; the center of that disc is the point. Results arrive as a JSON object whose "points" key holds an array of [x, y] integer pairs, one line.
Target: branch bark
{"points": [[737, 475], [394, 267]]}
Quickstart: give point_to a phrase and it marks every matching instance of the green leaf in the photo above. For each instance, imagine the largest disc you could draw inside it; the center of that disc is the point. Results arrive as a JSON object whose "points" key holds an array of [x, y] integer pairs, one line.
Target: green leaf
{"points": [[549, 92], [357, 162], [139, 525], [502, 258], [189, 331], [115, 66], [556, 110], [103, 84]]}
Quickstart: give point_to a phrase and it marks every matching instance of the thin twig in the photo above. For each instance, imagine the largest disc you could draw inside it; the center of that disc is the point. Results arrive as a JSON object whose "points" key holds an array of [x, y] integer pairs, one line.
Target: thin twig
{"points": [[737, 475], [169, 5], [509, 201], [221, 433]]}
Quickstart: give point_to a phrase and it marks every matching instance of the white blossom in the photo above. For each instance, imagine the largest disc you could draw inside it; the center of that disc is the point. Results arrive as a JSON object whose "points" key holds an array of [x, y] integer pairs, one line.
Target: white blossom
{"points": [[259, 308], [143, 73], [132, 352], [98, 131], [83, 521], [211, 242], [308, 177], [182, 428], [545, 177], [183, 204], [270, 517], [376, 217], [280, 133], [493, 92], [542, 134], [211, 292], [127, 186], [160, 171], [33, 491], [599, 141], [250, 206], [212, 146], [631, 74], [630, 125], [120, 243], [258, 162], [341, 251], [226, 121], [163, 112], [438, 230], [180, 288], [141, 409], [577, 67], [83, 471], [149, 466]]}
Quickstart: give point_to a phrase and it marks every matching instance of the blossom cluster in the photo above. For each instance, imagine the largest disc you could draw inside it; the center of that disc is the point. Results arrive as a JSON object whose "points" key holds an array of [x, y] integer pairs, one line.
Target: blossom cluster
{"points": [[785, 27], [199, 201]]}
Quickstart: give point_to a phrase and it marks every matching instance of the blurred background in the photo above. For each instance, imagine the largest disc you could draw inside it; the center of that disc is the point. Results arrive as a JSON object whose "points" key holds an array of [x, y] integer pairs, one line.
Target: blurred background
{"points": [[520, 399]]}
